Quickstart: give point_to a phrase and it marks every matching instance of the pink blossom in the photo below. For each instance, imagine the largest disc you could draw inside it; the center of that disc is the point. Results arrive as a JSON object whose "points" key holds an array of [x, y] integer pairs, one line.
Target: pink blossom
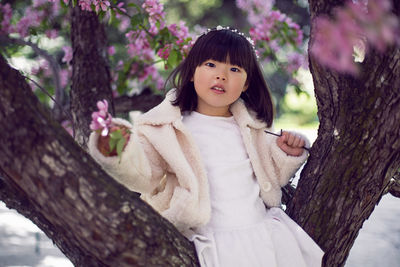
{"points": [[295, 61], [243, 4], [38, 3], [67, 125], [111, 50], [64, 77], [101, 120], [155, 9], [173, 29], [159, 81], [125, 22], [149, 70], [256, 9], [334, 40], [120, 6], [43, 69], [51, 34], [32, 18], [7, 15], [139, 45], [332, 46], [164, 52], [86, 5], [101, 4], [67, 54]]}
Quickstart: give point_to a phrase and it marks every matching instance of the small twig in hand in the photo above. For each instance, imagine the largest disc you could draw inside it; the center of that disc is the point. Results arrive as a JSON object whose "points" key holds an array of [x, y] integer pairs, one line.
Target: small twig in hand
{"points": [[279, 135]]}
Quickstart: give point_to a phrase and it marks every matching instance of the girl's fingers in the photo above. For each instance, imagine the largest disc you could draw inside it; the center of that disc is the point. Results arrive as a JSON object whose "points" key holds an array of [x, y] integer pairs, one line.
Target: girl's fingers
{"points": [[302, 142], [293, 140], [297, 141]]}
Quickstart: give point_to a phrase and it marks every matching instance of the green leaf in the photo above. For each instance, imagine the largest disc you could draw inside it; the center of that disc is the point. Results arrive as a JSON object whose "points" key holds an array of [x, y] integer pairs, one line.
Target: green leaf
{"points": [[101, 14], [173, 58], [112, 142], [66, 4], [112, 17], [116, 135], [114, 139], [136, 20], [120, 146], [135, 6]]}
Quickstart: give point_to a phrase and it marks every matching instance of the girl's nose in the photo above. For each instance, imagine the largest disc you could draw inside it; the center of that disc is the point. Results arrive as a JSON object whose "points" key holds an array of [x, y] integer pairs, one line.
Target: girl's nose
{"points": [[221, 76]]}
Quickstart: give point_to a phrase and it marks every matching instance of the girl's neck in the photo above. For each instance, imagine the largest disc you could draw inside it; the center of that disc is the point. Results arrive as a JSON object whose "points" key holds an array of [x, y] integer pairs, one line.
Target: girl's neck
{"points": [[215, 112]]}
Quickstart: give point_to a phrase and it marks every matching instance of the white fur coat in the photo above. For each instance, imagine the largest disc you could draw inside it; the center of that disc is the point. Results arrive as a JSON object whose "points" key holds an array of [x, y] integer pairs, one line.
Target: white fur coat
{"points": [[162, 162]]}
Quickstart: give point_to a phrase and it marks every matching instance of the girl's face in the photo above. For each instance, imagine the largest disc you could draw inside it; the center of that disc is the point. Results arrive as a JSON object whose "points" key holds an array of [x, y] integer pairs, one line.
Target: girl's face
{"points": [[218, 85]]}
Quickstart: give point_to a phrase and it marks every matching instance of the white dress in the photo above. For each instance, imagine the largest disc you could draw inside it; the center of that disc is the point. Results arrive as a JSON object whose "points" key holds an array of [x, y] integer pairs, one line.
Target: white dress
{"points": [[241, 231]]}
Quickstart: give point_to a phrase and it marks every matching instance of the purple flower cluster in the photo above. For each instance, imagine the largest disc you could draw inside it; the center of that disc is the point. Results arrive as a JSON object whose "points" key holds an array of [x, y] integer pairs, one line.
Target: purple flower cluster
{"points": [[155, 9], [98, 4], [274, 32], [354, 25], [101, 120], [139, 43]]}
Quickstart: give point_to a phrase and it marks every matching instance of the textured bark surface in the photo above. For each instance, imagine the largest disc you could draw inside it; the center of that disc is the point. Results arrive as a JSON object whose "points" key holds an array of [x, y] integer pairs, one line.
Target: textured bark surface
{"points": [[90, 74], [47, 177], [357, 151], [394, 186]]}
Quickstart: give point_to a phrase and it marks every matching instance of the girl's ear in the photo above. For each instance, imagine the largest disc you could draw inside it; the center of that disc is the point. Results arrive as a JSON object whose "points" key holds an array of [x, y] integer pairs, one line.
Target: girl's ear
{"points": [[246, 85]]}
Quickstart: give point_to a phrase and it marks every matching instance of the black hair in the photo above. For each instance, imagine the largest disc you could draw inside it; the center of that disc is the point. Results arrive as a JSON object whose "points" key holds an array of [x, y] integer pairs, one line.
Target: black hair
{"points": [[223, 45]]}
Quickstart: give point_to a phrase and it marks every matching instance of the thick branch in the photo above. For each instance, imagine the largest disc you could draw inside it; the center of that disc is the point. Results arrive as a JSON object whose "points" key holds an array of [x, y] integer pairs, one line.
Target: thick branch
{"points": [[94, 220], [394, 186], [142, 102]]}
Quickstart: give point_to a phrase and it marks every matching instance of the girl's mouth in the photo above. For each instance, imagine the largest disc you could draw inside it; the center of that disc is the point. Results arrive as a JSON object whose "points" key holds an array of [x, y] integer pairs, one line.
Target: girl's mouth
{"points": [[218, 89]]}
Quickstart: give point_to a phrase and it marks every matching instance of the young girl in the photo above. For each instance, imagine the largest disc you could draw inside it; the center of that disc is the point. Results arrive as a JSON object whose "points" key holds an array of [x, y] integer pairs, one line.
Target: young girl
{"points": [[202, 159]]}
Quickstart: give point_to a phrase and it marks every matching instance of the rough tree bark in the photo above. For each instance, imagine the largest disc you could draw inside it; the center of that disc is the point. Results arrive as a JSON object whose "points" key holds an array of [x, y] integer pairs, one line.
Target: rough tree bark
{"points": [[91, 74], [48, 178], [394, 186], [357, 151]]}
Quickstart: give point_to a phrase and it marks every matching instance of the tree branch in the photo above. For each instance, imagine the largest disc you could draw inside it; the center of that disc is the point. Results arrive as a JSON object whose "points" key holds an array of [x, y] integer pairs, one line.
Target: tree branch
{"points": [[394, 185], [142, 102], [93, 219]]}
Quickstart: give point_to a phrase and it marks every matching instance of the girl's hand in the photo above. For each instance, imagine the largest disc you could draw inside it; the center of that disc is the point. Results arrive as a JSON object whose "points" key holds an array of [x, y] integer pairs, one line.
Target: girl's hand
{"points": [[104, 141], [291, 144]]}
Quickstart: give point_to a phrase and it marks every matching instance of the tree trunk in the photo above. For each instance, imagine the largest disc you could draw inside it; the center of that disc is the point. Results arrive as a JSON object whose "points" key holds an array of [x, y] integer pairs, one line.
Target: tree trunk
{"points": [[356, 153], [90, 75], [47, 177]]}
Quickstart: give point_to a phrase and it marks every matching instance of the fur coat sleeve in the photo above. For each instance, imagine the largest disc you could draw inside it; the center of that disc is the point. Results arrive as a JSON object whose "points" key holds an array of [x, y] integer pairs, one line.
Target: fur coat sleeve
{"points": [[140, 168], [284, 166]]}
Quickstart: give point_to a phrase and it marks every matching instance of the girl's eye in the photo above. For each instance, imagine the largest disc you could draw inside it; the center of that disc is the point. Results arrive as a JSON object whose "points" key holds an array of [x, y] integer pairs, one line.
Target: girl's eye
{"points": [[210, 64], [235, 69]]}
